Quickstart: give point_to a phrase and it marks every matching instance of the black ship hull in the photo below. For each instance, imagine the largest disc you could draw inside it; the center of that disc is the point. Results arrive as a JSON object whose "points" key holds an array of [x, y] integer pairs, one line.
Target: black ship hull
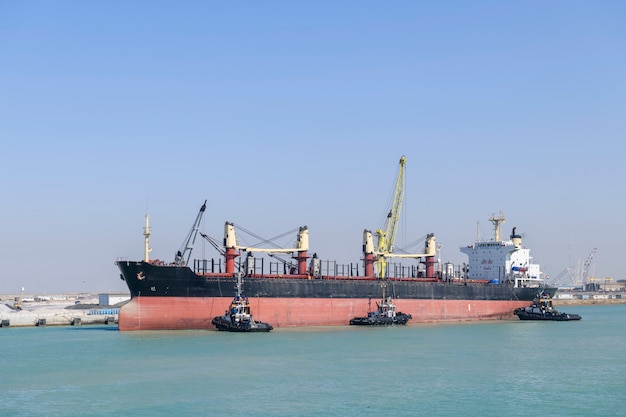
{"points": [[148, 280]]}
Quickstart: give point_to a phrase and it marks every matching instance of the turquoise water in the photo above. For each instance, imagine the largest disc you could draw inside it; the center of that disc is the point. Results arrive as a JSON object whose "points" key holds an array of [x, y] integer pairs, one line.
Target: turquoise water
{"points": [[503, 368]]}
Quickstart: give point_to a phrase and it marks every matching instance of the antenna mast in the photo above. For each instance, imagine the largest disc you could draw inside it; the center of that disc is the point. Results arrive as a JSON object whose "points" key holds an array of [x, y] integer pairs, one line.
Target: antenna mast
{"points": [[496, 224], [146, 233]]}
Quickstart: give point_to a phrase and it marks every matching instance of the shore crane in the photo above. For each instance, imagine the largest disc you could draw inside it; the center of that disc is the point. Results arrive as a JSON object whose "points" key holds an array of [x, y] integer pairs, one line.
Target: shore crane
{"points": [[576, 276], [587, 264], [387, 238]]}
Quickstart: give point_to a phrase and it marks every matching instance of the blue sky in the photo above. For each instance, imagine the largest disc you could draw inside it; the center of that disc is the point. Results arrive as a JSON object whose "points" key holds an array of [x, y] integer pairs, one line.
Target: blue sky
{"points": [[284, 114]]}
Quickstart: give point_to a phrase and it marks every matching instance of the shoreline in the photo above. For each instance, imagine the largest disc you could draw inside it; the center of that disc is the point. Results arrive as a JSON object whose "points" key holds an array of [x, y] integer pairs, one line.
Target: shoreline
{"points": [[587, 302]]}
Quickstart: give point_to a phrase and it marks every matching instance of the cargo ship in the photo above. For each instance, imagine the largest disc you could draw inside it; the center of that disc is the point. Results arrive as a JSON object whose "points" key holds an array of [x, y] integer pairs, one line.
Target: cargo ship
{"points": [[308, 291], [497, 279]]}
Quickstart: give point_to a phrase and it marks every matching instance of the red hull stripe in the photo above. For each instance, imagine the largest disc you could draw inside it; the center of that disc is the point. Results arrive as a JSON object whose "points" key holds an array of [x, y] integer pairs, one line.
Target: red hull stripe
{"points": [[177, 313]]}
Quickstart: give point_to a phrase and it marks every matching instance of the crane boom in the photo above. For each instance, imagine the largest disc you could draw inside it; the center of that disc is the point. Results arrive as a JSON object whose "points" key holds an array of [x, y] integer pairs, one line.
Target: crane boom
{"points": [[387, 238], [587, 263], [394, 218], [230, 241], [184, 253], [214, 242]]}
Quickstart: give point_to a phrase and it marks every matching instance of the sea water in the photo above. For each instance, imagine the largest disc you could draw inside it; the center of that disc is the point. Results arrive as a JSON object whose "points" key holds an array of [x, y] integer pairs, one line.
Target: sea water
{"points": [[499, 368]]}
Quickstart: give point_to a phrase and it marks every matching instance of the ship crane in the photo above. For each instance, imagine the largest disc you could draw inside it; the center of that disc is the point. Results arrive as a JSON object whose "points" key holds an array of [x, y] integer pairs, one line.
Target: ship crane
{"points": [[302, 241], [184, 253], [214, 242], [289, 267], [430, 247], [387, 238], [231, 245]]}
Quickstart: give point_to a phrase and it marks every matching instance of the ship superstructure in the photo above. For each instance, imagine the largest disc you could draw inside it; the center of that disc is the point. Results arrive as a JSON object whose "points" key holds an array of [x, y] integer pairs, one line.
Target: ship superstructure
{"points": [[502, 261]]}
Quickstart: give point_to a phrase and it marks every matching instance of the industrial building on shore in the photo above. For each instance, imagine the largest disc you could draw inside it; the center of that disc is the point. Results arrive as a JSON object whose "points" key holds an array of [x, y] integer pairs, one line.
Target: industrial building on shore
{"points": [[60, 310]]}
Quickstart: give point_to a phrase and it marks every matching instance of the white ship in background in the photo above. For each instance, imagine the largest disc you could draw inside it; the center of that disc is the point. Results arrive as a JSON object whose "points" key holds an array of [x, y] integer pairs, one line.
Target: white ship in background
{"points": [[500, 260]]}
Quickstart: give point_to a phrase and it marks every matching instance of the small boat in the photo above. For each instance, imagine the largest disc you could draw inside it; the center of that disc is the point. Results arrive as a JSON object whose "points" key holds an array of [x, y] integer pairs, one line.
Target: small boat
{"points": [[384, 315], [238, 317], [541, 309]]}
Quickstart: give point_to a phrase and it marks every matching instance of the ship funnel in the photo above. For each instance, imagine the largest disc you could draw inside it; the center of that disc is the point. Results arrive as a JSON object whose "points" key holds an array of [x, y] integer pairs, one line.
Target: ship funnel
{"points": [[517, 239]]}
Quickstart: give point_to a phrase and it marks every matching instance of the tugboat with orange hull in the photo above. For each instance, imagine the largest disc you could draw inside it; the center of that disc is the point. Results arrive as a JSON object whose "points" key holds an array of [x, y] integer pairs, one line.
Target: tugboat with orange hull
{"points": [[542, 309], [238, 317]]}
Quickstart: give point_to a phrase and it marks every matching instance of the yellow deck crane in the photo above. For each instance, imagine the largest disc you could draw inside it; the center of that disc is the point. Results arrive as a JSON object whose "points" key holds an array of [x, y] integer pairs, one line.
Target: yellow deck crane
{"points": [[387, 238]]}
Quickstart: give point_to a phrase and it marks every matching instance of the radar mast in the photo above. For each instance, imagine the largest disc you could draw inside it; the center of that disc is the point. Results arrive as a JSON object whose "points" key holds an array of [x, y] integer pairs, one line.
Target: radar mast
{"points": [[496, 224]]}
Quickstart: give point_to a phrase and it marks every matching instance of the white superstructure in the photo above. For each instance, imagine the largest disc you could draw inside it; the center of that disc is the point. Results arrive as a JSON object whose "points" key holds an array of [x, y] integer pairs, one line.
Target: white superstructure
{"points": [[502, 261]]}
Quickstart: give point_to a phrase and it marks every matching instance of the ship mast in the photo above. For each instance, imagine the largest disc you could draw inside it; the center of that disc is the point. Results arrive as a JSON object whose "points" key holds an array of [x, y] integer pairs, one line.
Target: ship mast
{"points": [[496, 224], [146, 233]]}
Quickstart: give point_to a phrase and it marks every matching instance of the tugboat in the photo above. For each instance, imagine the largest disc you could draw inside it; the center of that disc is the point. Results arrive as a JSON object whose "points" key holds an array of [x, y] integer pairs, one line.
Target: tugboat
{"points": [[238, 317], [384, 315], [541, 309]]}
